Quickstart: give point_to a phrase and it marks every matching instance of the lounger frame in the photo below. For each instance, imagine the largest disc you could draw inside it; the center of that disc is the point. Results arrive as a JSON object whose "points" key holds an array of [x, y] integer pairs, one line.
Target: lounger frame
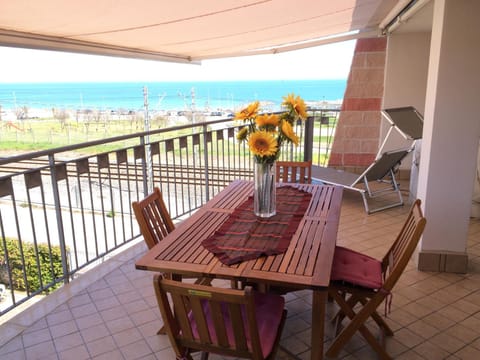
{"points": [[381, 171]]}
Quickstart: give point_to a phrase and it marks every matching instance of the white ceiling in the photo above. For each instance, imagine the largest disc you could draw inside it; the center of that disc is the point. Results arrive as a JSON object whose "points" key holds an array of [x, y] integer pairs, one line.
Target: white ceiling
{"points": [[186, 30]]}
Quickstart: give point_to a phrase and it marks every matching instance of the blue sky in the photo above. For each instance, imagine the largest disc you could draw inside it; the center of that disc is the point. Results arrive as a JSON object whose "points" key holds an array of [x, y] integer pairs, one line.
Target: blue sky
{"points": [[324, 62]]}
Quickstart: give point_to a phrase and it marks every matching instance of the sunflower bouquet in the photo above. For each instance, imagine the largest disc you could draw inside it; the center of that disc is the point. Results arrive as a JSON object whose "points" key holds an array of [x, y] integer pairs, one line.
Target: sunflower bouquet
{"points": [[265, 133]]}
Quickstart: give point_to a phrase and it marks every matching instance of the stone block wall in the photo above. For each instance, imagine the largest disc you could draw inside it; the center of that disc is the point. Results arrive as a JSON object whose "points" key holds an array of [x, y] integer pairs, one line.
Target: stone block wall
{"points": [[357, 136]]}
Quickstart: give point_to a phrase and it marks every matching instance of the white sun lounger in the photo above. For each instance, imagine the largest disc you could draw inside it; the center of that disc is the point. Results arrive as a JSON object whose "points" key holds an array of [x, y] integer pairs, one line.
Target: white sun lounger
{"points": [[381, 170], [409, 123]]}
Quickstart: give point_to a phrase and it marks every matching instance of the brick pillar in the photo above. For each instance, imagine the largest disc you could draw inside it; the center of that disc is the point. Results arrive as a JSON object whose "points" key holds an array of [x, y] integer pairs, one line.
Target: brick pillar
{"points": [[356, 138]]}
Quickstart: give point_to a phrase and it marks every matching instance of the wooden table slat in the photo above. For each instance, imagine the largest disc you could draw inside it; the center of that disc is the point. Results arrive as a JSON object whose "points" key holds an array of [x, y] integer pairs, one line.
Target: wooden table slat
{"points": [[192, 248]]}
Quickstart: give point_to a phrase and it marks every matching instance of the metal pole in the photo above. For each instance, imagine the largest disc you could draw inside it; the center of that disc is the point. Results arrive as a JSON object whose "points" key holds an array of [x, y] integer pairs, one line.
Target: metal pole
{"points": [[148, 182]]}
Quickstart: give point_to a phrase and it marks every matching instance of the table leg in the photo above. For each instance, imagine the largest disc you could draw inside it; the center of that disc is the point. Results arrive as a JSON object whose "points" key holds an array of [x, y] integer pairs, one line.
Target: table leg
{"points": [[318, 323]]}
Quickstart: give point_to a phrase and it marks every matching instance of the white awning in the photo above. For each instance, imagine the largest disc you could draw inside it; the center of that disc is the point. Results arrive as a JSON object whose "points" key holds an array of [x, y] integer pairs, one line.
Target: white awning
{"points": [[187, 30]]}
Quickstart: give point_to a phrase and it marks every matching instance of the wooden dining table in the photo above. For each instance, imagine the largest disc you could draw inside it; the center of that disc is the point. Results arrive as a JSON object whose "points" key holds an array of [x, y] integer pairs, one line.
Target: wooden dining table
{"points": [[306, 263]]}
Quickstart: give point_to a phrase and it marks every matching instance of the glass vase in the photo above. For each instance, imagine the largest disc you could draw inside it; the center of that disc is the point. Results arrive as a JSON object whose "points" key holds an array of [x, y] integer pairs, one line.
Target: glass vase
{"points": [[264, 197]]}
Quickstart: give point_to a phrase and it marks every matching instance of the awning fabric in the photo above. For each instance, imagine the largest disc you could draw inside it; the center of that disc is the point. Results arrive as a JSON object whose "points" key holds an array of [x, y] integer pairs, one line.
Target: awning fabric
{"points": [[186, 30]]}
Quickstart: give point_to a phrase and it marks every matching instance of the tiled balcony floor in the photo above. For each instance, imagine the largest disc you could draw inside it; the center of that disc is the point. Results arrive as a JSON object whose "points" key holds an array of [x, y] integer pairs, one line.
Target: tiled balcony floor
{"points": [[434, 315]]}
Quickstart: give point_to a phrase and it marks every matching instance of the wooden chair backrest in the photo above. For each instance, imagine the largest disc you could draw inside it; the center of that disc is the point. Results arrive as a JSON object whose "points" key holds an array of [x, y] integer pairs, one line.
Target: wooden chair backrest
{"points": [[294, 171], [153, 218], [189, 304], [399, 254]]}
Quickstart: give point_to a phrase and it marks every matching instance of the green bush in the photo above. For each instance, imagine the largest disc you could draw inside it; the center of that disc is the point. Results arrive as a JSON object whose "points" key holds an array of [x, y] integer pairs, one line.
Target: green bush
{"points": [[50, 265]]}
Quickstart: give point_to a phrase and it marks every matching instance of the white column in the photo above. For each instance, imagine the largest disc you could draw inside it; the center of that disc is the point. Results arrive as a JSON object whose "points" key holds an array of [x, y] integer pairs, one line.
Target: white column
{"points": [[451, 132]]}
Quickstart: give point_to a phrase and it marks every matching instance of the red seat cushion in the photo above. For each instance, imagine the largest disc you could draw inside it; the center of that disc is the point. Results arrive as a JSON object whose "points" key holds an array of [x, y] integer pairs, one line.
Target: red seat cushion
{"points": [[356, 268], [269, 311]]}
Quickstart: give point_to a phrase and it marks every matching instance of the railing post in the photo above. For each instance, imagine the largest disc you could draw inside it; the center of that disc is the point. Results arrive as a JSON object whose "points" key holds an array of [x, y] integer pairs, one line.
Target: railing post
{"points": [[308, 143], [147, 169], [58, 214], [205, 159]]}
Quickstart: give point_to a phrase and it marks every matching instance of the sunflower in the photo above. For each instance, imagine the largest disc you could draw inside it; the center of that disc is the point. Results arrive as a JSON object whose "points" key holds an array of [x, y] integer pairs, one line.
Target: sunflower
{"points": [[242, 134], [268, 121], [266, 133], [295, 104], [249, 112], [262, 143], [287, 130]]}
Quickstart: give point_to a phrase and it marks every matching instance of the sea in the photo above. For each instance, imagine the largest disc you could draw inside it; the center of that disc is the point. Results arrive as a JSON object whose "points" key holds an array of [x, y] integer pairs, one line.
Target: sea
{"points": [[166, 96]]}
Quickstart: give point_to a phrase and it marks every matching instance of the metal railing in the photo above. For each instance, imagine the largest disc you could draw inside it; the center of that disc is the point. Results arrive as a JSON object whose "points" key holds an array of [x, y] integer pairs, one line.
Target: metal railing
{"points": [[61, 213]]}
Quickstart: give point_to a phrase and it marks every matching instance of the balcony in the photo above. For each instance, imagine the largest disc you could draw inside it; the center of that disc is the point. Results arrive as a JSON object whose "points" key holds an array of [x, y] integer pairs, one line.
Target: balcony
{"points": [[111, 311], [62, 213]]}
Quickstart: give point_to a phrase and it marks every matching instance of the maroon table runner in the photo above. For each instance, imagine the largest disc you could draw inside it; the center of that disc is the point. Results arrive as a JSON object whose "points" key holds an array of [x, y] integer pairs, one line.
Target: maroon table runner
{"points": [[245, 236]]}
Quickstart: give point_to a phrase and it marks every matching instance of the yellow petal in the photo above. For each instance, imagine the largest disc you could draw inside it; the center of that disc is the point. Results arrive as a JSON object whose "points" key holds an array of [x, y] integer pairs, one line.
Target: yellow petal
{"points": [[262, 143], [287, 130]]}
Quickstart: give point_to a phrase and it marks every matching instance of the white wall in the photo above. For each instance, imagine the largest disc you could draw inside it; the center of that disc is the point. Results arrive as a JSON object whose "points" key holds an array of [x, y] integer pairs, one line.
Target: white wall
{"points": [[406, 71]]}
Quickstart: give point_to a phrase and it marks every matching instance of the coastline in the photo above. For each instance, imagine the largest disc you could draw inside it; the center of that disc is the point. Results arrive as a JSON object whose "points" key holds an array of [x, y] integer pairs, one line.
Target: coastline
{"points": [[211, 96], [23, 113]]}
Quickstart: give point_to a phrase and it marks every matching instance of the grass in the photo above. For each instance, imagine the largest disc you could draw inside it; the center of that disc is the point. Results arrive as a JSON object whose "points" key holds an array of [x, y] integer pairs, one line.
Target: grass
{"points": [[43, 134]]}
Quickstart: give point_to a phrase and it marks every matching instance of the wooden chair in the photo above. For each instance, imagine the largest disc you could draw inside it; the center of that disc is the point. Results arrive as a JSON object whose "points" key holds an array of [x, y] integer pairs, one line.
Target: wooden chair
{"points": [[358, 279], [153, 218], [155, 223], [294, 171], [230, 322]]}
